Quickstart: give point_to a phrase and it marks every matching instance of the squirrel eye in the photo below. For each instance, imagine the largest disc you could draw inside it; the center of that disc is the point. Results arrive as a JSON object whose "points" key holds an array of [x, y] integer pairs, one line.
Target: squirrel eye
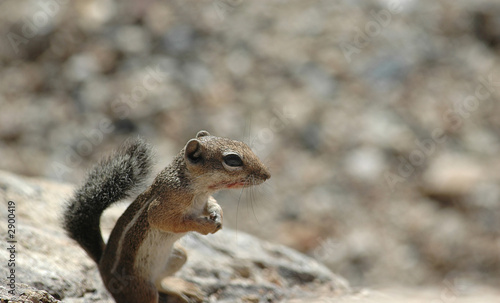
{"points": [[233, 160]]}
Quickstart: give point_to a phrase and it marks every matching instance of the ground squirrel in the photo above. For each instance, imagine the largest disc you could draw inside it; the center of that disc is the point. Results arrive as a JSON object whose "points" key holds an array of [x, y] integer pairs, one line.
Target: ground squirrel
{"points": [[140, 251]]}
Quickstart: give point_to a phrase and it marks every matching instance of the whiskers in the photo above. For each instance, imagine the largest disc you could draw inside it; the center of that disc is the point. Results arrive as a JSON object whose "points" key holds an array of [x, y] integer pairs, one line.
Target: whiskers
{"points": [[249, 193], [252, 197], [238, 207]]}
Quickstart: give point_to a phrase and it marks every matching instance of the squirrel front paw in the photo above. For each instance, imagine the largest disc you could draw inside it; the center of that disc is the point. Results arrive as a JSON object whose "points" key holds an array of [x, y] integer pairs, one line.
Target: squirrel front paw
{"points": [[209, 225], [211, 221], [215, 214], [216, 218]]}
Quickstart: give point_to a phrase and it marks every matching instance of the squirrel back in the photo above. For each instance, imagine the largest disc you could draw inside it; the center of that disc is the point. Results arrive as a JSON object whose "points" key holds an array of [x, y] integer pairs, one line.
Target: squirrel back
{"points": [[111, 180]]}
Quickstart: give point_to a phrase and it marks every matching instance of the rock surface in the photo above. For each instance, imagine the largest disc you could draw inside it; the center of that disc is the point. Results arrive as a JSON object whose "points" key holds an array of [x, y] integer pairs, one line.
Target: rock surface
{"points": [[228, 266]]}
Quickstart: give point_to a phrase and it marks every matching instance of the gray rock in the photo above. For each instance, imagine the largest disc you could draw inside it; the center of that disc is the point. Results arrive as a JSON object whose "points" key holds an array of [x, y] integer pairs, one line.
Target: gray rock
{"points": [[26, 294], [229, 266]]}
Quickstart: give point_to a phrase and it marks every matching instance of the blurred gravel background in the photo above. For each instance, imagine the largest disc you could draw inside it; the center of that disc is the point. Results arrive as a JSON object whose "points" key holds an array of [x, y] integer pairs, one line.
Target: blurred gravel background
{"points": [[380, 120]]}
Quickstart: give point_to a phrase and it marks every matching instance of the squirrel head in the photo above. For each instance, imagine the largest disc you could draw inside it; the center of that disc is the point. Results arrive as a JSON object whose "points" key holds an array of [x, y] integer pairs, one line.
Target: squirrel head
{"points": [[216, 163]]}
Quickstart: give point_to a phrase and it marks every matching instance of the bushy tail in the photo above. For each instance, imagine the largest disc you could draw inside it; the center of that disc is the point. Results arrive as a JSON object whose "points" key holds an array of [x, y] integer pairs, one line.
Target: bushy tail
{"points": [[111, 180]]}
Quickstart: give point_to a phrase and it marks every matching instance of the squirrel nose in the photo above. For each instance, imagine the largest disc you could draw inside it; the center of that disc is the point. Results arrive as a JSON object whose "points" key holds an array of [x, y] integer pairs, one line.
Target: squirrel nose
{"points": [[265, 173]]}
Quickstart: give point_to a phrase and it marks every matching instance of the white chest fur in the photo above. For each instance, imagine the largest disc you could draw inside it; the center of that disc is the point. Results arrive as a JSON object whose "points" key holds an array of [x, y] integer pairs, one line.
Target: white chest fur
{"points": [[152, 256], [199, 204]]}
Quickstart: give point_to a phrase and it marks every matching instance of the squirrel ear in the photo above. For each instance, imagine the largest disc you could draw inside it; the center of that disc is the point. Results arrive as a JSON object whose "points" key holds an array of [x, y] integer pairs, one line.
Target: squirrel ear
{"points": [[202, 133], [192, 151]]}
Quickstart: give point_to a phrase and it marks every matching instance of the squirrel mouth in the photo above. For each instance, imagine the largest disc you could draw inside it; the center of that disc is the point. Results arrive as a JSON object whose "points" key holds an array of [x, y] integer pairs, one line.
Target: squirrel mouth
{"points": [[231, 185], [237, 184]]}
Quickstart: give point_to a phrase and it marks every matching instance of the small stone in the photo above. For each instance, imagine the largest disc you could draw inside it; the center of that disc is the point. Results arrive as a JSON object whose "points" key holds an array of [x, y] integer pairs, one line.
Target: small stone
{"points": [[251, 299], [365, 163], [81, 67], [133, 39], [452, 175]]}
